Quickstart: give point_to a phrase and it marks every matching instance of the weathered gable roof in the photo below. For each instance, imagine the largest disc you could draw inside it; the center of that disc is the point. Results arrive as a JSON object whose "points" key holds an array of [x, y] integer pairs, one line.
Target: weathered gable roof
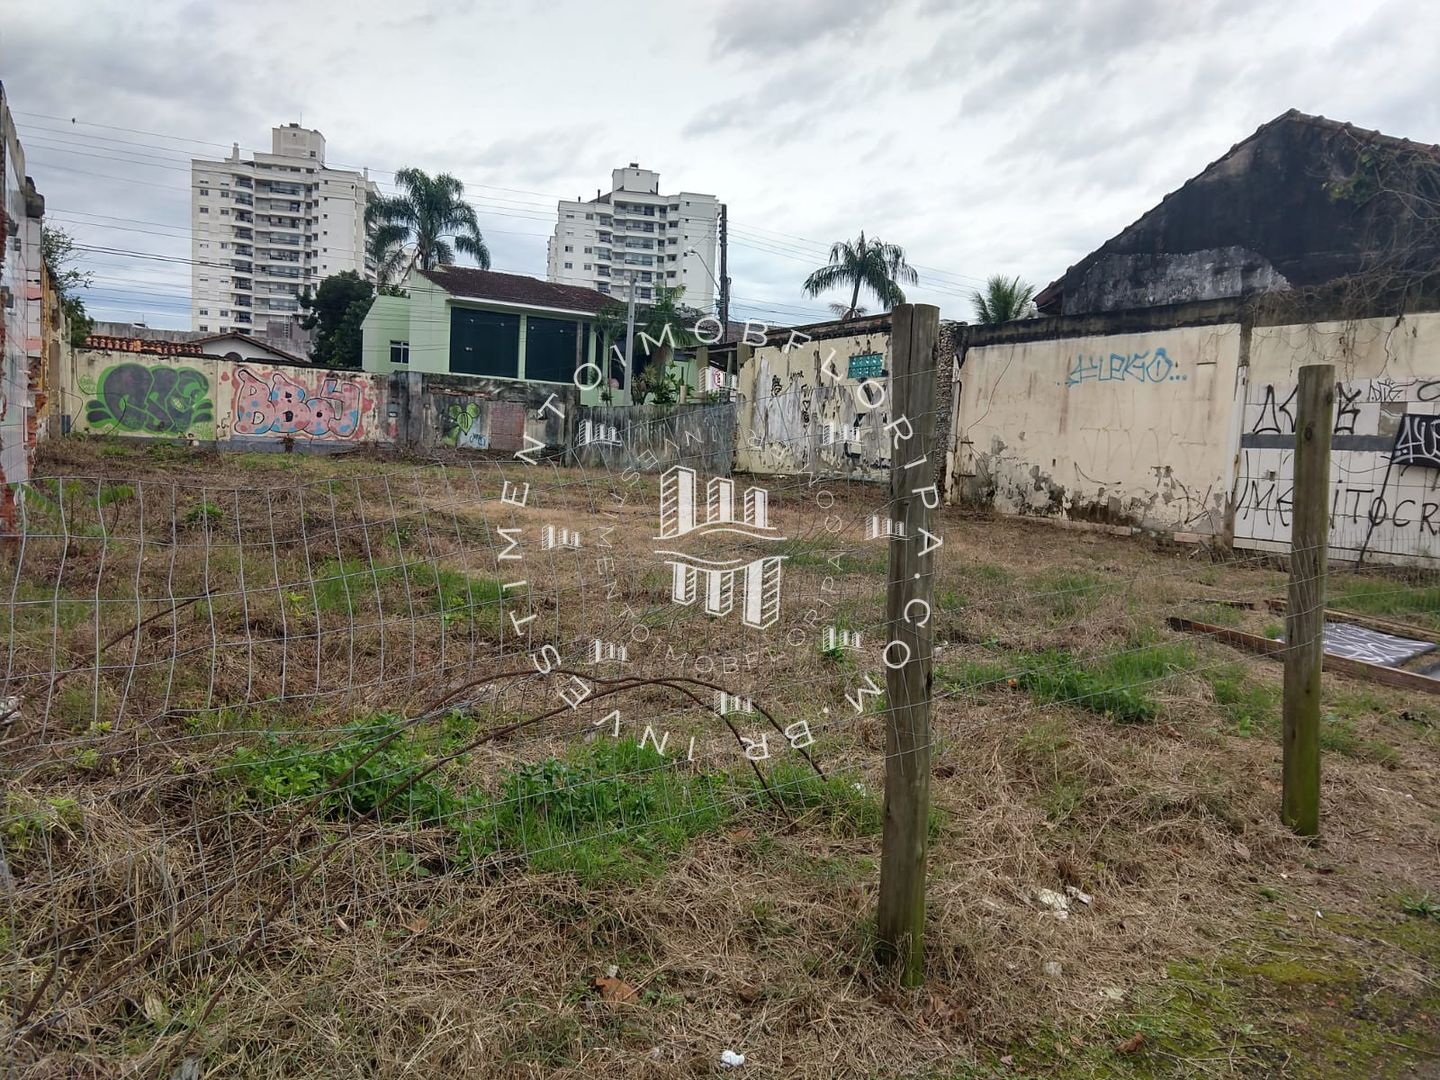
{"points": [[474, 284], [282, 354], [1272, 194]]}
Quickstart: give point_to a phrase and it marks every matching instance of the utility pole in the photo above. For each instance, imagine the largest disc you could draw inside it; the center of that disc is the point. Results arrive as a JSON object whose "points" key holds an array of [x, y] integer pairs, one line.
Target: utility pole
{"points": [[1305, 613], [900, 920], [724, 281], [630, 339]]}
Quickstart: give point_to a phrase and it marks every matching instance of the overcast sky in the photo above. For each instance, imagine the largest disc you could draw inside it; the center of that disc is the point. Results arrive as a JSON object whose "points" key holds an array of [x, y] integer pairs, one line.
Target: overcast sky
{"points": [[984, 136]]}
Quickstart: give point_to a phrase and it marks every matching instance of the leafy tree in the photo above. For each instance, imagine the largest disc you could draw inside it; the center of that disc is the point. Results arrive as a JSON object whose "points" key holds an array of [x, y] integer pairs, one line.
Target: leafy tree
{"points": [[874, 264], [429, 214], [653, 351], [335, 313], [57, 249], [1004, 300]]}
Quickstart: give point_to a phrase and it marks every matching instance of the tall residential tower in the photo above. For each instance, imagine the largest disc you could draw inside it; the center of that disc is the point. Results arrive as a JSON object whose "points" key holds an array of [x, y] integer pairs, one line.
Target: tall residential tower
{"points": [[635, 237], [263, 229]]}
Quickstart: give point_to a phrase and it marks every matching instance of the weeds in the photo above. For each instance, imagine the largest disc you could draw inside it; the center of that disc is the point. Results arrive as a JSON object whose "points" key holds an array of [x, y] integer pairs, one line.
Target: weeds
{"points": [[1118, 686], [611, 810], [1249, 704]]}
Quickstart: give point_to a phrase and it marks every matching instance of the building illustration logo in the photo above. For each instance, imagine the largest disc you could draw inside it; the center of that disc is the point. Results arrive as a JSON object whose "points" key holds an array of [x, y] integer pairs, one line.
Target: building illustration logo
{"points": [[715, 582]]}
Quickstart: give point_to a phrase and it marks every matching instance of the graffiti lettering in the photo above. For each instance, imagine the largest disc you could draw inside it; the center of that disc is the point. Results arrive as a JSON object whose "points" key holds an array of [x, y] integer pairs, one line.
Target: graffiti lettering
{"points": [[1142, 367], [283, 406], [1418, 441], [155, 401]]}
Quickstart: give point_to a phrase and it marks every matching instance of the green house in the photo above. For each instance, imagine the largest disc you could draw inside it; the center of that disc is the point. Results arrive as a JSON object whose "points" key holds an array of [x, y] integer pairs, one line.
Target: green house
{"points": [[484, 324]]}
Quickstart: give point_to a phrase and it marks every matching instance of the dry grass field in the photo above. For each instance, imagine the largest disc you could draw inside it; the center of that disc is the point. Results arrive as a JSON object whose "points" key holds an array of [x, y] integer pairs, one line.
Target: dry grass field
{"points": [[285, 794]]}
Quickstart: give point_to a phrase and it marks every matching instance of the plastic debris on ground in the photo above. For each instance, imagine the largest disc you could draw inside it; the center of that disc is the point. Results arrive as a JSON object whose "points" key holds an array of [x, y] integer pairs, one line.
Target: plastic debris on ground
{"points": [[731, 1060]]}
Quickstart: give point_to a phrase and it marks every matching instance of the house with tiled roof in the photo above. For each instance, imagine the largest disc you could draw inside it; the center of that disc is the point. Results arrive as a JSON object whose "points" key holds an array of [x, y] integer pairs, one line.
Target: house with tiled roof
{"points": [[481, 323]]}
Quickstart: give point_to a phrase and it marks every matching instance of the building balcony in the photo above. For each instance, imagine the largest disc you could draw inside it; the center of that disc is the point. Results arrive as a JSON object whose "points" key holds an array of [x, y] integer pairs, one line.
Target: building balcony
{"points": [[240, 264]]}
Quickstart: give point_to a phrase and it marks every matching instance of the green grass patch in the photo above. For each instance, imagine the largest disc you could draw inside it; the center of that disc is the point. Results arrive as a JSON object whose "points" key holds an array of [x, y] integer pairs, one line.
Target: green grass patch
{"points": [[1121, 686], [1250, 705], [350, 585], [609, 810], [1064, 594], [1386, 596]]}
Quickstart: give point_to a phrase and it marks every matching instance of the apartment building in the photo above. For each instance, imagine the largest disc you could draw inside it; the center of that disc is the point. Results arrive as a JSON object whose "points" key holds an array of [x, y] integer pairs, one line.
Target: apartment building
{"points": [[635, 237], [264, 228]]}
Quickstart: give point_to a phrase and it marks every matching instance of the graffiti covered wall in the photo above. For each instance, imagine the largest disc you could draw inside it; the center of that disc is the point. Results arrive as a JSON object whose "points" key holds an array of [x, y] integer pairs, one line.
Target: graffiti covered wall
{"points": [[299, 403], [120, 393], [796, 418], [208, 399], [1124, 429], [1384, 458]]}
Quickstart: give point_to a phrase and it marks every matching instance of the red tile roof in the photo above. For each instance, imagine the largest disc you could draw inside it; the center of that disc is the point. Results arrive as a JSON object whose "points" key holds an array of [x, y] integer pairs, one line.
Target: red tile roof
{"points": [[516, 289]]}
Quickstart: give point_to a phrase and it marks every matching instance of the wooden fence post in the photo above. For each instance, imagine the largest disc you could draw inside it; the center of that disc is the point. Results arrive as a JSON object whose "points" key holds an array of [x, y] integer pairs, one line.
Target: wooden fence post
{"points": [[1305, 614], [900, 922]]}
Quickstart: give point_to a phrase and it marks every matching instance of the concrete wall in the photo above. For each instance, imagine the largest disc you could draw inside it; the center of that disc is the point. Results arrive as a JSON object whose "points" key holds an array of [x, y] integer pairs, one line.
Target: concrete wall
{"points": [[208, 399], [1385, 368], [793, 420], [484, 414], [1128, 429], [651, 438]]}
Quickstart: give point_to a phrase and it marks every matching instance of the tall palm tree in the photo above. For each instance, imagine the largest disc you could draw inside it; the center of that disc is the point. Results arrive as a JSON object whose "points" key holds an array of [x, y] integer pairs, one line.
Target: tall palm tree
{"points": [[1004, 300], [385, 247], [878, 266], [429, 214]]}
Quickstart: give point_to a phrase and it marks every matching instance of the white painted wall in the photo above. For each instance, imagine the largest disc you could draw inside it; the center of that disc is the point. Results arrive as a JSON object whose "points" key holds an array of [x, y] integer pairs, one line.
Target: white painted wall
{"points": [[1127, 428], [1385, 368]]}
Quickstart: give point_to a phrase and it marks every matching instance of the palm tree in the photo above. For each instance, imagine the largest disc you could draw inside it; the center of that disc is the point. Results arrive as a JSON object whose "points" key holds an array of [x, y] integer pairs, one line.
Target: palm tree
{"points": [[842, 312], [385, 247], [431, 216], [1004, 300], [872, 263]]}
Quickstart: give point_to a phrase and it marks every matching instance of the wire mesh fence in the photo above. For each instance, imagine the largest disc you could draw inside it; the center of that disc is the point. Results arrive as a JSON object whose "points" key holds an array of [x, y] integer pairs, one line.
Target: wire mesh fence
{"points": [[254, 706]]}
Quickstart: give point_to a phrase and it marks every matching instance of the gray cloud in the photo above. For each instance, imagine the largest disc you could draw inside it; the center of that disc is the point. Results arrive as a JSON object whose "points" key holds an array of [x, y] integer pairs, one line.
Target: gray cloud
{"points": [[766, 28]]}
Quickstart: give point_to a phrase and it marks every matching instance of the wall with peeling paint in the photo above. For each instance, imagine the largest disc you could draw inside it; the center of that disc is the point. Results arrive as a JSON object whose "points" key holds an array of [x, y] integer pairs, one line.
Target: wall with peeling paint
{"points": [[1125, 429], [794, 420], [1385, 370]]}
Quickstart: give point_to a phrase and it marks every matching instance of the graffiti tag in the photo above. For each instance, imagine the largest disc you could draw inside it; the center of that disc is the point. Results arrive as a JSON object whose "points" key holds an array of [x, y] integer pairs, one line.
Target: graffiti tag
{"points": [[285, 407], [1418, 441], [155, 401], [1141, 367]]}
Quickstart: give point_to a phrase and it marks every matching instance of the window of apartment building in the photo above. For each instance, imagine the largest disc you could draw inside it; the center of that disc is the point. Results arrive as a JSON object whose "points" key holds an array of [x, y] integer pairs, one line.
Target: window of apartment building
{"points": [[644, 275], [673, 241], [589, 217], [204, 327], [224, 194], [400, 352], [669, 273], [204, 191], [224, 211], [484, 343], [570, 215], [588, 250], [224, 246], [204, 311], [603, 286], [204, 209], [569, 247], [649, 211], [643, 293], [569, 266], [586, 266], [551, 349], [224, 314]]}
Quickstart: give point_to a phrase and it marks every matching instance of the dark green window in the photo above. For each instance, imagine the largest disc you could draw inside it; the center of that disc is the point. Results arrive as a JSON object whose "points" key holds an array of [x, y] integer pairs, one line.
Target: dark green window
{"points": [[484, 343], [552, 349]]}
